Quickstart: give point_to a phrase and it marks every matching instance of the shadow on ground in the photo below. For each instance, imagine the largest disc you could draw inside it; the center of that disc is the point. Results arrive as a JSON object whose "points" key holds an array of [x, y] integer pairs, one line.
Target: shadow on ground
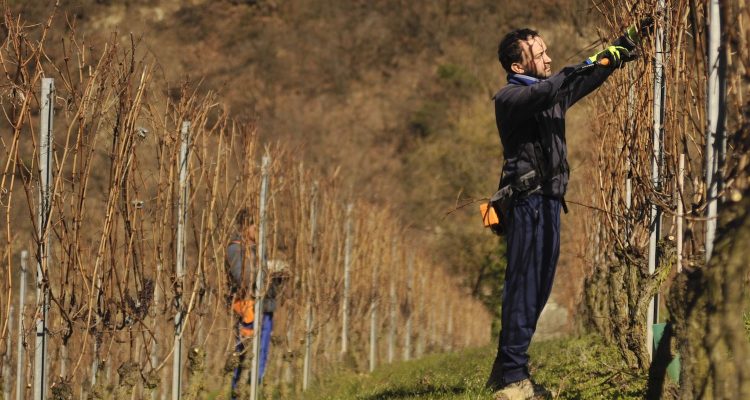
{"points": [[409, 392]]}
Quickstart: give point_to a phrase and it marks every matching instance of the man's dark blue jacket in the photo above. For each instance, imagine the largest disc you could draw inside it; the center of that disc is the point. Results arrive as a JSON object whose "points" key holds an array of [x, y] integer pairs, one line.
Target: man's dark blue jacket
{"points": [[530, 116]]}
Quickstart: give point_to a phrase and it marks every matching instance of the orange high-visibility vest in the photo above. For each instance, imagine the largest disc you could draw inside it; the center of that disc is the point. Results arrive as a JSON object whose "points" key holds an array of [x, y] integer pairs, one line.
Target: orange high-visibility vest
{"points": [[245, 309]]}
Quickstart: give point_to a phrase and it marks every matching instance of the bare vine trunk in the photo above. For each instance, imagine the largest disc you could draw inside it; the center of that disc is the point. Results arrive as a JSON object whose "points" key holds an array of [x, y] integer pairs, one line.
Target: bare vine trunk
{"points": [[641, 288], [621, 299], [707, 307]]}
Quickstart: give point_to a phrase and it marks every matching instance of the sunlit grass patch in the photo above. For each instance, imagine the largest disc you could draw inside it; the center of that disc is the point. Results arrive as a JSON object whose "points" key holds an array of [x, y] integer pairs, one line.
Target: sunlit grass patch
{"points": [[585, 368], [578, 368]]}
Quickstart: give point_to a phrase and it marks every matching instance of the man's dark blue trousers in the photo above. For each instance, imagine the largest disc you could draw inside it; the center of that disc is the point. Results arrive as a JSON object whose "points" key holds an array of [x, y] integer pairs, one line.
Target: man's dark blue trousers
{"points": [[533, 247]]}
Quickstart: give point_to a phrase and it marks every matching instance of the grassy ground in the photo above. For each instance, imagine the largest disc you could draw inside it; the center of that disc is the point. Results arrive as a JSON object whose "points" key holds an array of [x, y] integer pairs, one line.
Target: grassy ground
{"points": [[580, 368]]}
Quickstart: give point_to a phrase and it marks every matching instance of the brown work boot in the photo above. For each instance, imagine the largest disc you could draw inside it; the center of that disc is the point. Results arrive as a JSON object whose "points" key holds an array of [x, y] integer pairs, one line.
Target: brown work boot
{"points": [[540, 392], [521, 390]]}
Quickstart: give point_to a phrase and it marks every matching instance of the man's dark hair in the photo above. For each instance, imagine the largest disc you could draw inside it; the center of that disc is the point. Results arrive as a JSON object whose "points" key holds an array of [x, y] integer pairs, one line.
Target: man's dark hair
{"points": [[509, 50], [244, 218]]}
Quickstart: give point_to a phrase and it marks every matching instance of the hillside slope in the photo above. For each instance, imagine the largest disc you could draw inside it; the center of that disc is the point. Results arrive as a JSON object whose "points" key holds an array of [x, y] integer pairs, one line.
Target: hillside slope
{"points": [[392, 96]]}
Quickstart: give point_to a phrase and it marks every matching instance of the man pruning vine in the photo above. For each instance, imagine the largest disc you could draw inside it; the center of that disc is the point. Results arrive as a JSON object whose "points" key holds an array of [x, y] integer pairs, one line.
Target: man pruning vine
{"points": [[530, 113]]}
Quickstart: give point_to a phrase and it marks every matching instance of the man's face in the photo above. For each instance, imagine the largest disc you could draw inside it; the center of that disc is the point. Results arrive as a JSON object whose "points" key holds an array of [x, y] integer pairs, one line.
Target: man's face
{"points": [[535, 61], [250, 233]]}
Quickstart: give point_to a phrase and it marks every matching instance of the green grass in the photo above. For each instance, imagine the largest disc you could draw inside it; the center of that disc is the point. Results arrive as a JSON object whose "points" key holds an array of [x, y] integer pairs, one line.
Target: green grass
{"points": [[580, 368], [584, 368]]}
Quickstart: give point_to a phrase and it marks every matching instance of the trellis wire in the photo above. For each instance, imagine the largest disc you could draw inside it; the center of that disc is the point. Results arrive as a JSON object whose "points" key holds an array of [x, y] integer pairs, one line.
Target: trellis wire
{"points": [[7, 361], [374, 314], [41, 366], [408, 305], [309, 297], [347, 281], [715, 109], [656, 164], [392, 307], [20, 345], [184, 195], [680, 210], [260, 279]]}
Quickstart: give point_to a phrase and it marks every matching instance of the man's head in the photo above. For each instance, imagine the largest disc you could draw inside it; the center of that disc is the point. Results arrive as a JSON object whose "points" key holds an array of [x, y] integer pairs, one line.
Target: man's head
{"points": [[523, 51], [245, 224], [244, 218]]}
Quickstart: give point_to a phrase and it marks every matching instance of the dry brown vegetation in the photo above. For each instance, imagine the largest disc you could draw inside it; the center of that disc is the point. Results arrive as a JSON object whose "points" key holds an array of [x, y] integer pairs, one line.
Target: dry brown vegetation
{"points": [[704, 303], [386, 105], [110, 269], [392, 94]]}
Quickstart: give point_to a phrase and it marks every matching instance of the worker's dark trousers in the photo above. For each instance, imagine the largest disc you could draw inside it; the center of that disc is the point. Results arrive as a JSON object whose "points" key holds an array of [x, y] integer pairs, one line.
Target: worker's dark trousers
{"points": [[533, 246]]}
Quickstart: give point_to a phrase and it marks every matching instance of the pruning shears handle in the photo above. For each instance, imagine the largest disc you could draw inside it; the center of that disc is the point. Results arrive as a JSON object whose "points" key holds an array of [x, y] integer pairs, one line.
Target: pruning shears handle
{"points": [[604, 62]]}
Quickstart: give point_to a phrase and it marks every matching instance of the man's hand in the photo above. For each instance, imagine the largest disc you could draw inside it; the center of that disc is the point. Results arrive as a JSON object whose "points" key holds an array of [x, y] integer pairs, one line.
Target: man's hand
{"points": [[616, 56], [637, 32]]}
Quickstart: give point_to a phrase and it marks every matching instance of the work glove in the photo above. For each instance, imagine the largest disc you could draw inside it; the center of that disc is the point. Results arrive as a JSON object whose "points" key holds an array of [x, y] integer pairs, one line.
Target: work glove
{"points": [[615, 56], [644, 28], [635, 33]]}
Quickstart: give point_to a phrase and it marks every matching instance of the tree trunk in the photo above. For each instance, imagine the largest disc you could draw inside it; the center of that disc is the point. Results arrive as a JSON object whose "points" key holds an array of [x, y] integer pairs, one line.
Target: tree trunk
{"points": [[620, 297], [707, 307]]}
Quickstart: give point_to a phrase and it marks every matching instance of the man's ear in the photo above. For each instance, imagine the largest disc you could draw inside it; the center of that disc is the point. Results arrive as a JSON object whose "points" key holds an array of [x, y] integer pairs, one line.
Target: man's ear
{"points": [[517, 68]]}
